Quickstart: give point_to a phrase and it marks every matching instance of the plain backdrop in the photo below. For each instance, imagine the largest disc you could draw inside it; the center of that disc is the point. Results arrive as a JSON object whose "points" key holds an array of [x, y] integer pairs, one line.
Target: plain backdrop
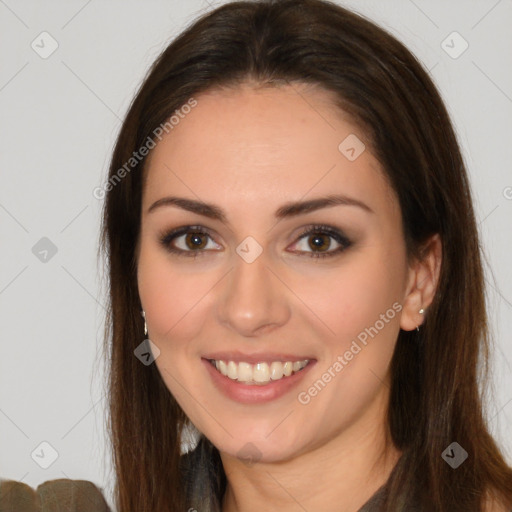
{"points": [[59, 119]]}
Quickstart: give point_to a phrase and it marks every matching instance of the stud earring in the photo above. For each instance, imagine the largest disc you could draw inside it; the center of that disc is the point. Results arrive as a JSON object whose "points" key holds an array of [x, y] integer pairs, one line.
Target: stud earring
{"points": [[143, 313], [421, 312]]}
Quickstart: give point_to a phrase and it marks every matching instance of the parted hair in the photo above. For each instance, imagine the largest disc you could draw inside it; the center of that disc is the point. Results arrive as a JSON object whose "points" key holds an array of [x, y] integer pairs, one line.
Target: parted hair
{"points": [[439, 375]]}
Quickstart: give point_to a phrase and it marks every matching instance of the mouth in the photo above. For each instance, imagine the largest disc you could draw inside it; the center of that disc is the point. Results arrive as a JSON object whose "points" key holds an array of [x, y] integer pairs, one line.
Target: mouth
{"points": [[258, 374]]}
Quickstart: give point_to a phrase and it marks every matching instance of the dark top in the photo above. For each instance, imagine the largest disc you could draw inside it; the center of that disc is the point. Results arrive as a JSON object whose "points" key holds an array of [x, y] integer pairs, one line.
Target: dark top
{"points": [[375, 502], [204, 481]]}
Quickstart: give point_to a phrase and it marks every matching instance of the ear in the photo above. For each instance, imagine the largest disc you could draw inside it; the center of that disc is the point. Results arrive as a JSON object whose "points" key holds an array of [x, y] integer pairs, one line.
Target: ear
{"points": [[423, 277]]}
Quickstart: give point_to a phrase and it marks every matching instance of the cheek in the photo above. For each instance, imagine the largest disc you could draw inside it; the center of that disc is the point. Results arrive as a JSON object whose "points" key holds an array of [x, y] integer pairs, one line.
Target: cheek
{"points": [[355, 295], [171, 298], [345, 300], [361, 305]]}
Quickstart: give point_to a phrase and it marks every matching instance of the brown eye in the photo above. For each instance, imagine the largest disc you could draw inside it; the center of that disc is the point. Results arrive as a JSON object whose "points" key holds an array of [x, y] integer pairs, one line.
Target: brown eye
{"points": [[195, 240], [189, 241], [319, 240]]}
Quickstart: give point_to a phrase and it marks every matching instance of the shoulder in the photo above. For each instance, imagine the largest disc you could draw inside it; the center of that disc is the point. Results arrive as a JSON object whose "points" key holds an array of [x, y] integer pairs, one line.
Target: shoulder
{"points": [[67, 494]]}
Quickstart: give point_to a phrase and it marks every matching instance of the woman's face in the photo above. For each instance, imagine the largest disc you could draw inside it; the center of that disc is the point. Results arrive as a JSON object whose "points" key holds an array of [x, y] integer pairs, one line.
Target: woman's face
{"points": [[255, 292]]}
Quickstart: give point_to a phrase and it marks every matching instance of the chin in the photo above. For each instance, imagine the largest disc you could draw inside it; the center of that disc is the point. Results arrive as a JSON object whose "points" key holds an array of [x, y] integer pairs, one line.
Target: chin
{"points": [[255, 447]]}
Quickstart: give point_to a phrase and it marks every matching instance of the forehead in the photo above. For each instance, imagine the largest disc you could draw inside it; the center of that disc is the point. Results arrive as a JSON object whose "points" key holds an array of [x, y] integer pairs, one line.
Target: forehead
{"points": [[267, 145]]}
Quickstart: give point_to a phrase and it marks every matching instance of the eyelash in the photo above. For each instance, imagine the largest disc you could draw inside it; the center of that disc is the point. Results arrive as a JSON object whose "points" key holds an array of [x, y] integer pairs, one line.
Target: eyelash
{"points": [[167, 237]]}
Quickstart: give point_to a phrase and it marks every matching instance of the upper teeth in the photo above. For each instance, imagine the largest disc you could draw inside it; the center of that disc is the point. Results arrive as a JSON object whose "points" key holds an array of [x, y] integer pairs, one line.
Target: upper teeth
{"points": [[260, 373]]}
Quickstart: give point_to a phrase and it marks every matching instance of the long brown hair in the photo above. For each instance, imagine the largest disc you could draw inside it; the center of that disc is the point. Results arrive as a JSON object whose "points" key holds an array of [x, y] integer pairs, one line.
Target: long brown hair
{"points": [[437, 389]]}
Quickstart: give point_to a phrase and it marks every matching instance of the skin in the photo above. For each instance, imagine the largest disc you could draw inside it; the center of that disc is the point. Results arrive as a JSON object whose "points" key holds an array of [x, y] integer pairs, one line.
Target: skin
{"points": [[250, 150]]}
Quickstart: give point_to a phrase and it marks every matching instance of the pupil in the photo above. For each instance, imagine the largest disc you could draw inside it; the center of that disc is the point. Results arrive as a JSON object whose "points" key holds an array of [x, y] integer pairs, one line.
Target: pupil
{"points": [[195, 239], [317, 241]]}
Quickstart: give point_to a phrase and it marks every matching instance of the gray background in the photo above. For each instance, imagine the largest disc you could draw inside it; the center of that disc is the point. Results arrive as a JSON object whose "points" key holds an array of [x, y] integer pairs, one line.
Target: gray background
{"points": [[60, 116]]}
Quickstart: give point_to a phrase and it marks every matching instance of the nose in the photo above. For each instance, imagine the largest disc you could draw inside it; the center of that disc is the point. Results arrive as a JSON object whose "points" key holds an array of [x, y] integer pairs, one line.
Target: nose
{"points": [[253, 299]]}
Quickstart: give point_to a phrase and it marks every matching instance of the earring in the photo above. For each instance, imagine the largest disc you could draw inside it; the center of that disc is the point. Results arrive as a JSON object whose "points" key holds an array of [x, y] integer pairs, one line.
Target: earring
{"points": [[421, 312], [143, 313], [189, 438]]}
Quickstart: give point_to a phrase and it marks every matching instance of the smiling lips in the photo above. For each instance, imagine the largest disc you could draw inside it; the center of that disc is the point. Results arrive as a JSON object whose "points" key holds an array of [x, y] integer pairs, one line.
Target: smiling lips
{"points": [[260, 373]]}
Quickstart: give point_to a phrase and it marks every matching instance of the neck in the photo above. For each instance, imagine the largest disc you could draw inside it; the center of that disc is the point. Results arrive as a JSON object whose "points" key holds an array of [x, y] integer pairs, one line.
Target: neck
{"points": [[339, 475]]}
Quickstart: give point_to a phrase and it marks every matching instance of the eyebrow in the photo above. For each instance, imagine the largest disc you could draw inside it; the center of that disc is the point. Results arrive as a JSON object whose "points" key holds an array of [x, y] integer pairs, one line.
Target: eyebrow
{"points": [[290, 209]]}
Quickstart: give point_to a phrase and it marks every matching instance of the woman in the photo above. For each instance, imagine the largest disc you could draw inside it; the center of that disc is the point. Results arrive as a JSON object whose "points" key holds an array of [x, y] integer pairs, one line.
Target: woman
{"points": [[268, 132]]}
